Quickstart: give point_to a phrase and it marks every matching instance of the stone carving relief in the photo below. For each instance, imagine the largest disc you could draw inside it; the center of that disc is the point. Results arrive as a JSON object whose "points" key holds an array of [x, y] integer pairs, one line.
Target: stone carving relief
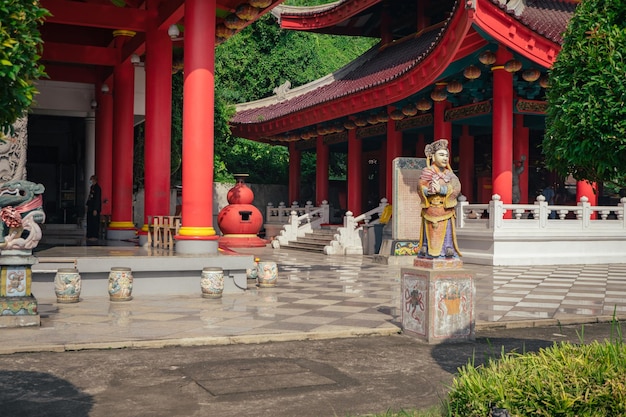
{"points": [[515, 6], [13, 153]]}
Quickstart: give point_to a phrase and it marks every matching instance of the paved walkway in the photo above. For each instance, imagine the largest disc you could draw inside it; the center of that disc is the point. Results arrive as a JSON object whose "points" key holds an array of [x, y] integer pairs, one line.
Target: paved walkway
{"points": [[318, 297]]}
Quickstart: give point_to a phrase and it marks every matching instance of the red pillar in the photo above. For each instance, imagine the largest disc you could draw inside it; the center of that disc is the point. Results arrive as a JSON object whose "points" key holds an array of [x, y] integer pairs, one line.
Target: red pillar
{"points": [[466, 164], [104, 147], [321, 171], [502, 138], [355, 173], [158, 125], [589, 190], [394, 150], [197, 232], [295, 159], [421, 145], [442, 129], [123, 144], [520, 147]]}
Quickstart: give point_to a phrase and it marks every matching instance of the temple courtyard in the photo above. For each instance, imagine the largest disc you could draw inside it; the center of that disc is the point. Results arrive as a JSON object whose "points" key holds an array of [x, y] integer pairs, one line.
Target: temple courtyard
{"points": [[316, 297]]}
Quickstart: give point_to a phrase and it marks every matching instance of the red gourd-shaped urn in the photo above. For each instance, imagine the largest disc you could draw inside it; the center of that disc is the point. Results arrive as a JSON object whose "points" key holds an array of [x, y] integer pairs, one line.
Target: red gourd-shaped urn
{"points": [[240, 221]]}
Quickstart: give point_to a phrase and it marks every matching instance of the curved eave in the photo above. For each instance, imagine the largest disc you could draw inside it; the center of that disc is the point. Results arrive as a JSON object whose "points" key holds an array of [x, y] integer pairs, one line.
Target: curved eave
{"points": [[326, 18], [463, 35], [507, 30], [448, 49]]}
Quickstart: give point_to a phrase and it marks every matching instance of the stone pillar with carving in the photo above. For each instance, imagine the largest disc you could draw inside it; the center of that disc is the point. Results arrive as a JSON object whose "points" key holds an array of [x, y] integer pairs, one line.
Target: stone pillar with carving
{"points": [[21, 213]]}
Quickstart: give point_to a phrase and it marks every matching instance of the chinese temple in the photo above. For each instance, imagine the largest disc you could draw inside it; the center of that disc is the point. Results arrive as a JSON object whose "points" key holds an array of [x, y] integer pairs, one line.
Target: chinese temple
{"points": [[110, 65], [474, 72]]}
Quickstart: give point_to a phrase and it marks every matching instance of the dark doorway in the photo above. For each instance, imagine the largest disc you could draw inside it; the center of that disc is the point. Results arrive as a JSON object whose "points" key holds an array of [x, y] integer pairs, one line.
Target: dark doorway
{"points": [[55, 158]]}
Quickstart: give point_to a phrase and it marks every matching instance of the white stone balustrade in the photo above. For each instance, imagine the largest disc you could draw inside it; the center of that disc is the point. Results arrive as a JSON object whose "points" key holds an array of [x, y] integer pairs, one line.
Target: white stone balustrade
{"points": [[525, 234], [349, 238], [300, 224]]}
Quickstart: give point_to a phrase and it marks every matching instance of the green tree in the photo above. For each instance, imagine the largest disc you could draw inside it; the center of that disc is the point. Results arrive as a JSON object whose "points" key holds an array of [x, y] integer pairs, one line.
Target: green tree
{"points": [[20, 45], [586, 123], [258, 59]]}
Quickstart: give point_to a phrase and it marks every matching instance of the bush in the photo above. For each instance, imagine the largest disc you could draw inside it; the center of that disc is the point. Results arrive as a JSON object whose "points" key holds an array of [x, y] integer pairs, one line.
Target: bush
{"points": [[563, 380]]}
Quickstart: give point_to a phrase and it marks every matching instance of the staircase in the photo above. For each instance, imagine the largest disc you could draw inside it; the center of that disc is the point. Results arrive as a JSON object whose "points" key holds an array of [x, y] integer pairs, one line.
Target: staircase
{"points": [[62, 235], [314, 241]]}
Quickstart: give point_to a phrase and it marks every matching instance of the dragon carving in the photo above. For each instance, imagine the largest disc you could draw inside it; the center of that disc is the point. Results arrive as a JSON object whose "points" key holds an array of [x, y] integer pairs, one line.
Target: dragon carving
{"points": [[20, 212]]}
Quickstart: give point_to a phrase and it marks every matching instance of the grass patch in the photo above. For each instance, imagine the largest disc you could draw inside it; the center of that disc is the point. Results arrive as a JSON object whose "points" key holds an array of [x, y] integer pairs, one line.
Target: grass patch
{"points": [[564, 380]]}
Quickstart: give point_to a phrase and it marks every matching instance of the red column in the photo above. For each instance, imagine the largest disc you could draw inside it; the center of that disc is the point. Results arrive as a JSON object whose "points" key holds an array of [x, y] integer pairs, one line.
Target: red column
{"points": [[502, 139], [321, 171], [355, 173], [520, 147], [295, 158], [104, 147], [123, 144], [442, 129], [158, 125], [394, 150], [421, 145], [197, 231], [466, 164], [589, 190]]}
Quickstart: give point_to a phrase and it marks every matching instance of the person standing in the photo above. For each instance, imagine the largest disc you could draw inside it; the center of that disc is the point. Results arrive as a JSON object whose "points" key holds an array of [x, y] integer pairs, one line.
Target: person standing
{"points": [[94, 206]]}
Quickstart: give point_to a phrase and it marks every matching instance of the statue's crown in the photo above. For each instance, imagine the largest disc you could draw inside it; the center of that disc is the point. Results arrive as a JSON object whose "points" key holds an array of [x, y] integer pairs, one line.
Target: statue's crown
{"points": [[432, 148]]}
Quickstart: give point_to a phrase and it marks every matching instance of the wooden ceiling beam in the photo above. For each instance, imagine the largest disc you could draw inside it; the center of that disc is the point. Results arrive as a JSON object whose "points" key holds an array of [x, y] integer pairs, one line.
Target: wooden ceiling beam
{"points": [[79, 54], [98, 15]]}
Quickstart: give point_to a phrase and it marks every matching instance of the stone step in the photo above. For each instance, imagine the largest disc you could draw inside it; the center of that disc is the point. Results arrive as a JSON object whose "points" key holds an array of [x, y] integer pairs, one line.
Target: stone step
{"points": [[314, 239], [303, 247], [62, 234]]}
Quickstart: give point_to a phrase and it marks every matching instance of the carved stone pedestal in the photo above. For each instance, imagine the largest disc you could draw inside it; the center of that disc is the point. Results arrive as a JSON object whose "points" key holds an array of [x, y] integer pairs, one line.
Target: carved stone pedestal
{"points": [[438, 301], [18, 307]]}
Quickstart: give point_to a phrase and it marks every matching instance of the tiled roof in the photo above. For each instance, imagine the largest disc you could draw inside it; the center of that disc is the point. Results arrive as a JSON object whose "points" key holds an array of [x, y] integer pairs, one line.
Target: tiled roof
{"points": [[547, 18], [382, 66]]}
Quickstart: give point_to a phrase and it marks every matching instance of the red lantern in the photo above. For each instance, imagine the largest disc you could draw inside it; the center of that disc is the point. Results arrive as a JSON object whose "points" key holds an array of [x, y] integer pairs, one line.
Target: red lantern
{"points": [[372, 119], [360, 122], [513, 66], [544, 82], [424, 105], [382, 117], [221, 31], [337, 128], [233, 22], [531, 75], [246, 12], [439, 94], [260, 3], [409, 110], [396, 115], [472, 72], [349, 124], [487, 58], [454, 87]]}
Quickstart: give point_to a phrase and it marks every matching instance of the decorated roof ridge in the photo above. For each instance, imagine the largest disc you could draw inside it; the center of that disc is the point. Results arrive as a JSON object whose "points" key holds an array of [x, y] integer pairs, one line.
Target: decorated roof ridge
{"points": [[291, 93], [548, 18], [379, 65], [283, 9]]}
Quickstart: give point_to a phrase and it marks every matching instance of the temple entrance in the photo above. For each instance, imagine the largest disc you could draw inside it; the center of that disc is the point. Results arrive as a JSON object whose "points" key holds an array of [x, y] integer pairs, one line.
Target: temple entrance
{"points": [[55, 158], [371, 180]]}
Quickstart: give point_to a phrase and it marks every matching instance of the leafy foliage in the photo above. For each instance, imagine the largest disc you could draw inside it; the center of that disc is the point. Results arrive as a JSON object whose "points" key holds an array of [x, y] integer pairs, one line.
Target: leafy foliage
{"points": [[251, 64], [20, 44], [565, 380], [263, 56], [223, 139], [586, 124]]}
